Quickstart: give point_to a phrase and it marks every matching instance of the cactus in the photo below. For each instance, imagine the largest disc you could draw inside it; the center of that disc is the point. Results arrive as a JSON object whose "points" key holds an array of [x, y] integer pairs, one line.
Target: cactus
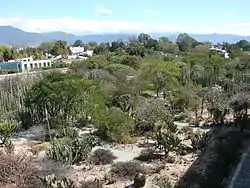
{"points": [[7, 129], [72, 151], [199, 140], [167, 141], [50, 181], [139, 180]]}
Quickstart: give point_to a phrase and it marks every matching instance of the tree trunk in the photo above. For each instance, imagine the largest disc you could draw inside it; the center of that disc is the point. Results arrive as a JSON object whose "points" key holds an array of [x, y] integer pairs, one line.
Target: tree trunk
{"points": [[202, 107], [157, 92]]}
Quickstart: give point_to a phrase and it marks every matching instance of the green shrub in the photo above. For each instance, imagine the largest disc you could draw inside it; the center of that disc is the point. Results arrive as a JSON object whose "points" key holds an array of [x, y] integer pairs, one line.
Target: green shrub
{"points": [[7, 129], [163, 182], [146, 155], [69, 131], [62, 95], [114, 125], [102, 157], [126, 169], [199, 140], [92, 184], [149, 114], [72, 151]]}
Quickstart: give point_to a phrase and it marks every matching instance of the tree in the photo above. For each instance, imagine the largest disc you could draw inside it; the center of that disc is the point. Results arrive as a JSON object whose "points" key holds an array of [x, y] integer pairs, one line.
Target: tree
{"points": [[143, 38], [240, 104], [101, 48], [136, 49], [117, 45], [78, 43], [243, 44], [3, 55], [147, 41], [161, 74], [62, 96], [93, 62], [36, 53], [91, 45], [60, 48], [132, 61], [167, 46], [165, 135], [8, 54], [113, 124], [185, 42], [201, 48], [149, 114], [46, 47]]}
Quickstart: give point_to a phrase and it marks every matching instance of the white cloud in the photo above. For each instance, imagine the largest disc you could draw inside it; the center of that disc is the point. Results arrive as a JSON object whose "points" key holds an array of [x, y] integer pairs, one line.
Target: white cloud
{"points": [[103, 11], [148, 11], [81, 26]]}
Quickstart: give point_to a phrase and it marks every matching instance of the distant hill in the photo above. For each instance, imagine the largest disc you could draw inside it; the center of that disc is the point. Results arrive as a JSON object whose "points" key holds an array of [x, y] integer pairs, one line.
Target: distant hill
{"points": [[13, 36]]}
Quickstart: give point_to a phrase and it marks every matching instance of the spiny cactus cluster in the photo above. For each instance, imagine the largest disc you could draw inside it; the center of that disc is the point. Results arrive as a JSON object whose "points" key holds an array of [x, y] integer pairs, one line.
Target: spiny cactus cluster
{"points": [[167, 141], [50, 181], [199, 140], [69, 151], [7, 129]]}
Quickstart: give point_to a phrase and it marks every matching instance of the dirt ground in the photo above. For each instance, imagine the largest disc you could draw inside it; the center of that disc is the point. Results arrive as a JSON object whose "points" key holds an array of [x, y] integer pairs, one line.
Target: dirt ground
{"points": [[24, 142]]}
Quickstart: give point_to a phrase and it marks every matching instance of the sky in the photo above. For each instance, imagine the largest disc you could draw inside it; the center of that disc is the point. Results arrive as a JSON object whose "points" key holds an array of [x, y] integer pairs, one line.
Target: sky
{"points": [[128, 16]]}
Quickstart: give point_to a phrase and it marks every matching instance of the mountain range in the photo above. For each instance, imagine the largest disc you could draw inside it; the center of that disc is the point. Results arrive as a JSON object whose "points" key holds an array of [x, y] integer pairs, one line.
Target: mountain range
{"points": [[13, 36]]}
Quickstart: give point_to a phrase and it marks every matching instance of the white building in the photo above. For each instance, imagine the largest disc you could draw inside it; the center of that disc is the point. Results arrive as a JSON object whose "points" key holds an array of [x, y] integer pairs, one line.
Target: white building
{"points": [[29, 65], [77, 50], [224, 52], [89, 52], [22, 59]]}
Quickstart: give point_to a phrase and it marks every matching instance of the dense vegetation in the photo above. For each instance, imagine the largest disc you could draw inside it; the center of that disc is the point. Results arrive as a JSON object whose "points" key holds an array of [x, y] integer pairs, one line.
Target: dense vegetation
{"points": [[132, 89]]}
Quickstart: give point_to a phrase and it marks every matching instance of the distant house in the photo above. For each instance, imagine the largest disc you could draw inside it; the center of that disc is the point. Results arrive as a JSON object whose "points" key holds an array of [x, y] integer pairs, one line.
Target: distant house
{"points": [[22, 59], [77, 50], [89, 52], [29, 65], [224, 52]]}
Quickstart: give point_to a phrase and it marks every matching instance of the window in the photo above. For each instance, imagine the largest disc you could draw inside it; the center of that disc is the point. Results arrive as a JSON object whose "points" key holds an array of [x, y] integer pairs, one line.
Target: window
{"points": [[31, 66], [35, 65], [44, 64], [25, 67], [40, 64]]}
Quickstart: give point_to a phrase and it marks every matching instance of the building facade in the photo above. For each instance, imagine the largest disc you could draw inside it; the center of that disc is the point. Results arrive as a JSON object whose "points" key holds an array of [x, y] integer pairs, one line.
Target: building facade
{"points": [[29, 65], [25, 66]]}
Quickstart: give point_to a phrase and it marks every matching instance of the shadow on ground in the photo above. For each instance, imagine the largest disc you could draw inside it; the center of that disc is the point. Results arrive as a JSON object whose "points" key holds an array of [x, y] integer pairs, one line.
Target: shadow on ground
{"points": [[217, 160]]}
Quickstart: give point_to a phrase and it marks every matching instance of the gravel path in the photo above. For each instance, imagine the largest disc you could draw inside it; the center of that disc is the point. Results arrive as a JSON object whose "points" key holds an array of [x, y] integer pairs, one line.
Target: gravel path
{"points": [[241, 178], [122, 155]]}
